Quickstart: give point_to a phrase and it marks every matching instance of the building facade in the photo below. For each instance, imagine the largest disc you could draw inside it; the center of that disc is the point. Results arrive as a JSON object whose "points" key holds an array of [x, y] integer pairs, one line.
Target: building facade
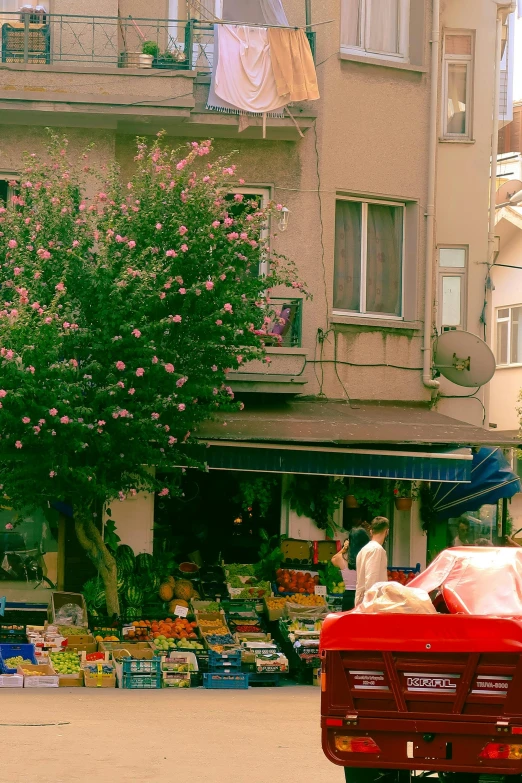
{"points": [[386, 179]]}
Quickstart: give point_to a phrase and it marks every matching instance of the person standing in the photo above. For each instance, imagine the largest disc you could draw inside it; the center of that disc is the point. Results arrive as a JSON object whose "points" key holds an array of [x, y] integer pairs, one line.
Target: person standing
{"points": [[372, 563], [346, 559], [463, 538]]}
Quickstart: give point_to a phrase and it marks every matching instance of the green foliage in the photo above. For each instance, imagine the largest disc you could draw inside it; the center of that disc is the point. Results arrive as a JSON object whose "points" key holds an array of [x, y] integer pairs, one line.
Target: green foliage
{"points": [[373, 497], [257, 491], [150, 47], [270, 555], [120, 318], [110, 536], [406, 489], [317, 497]]}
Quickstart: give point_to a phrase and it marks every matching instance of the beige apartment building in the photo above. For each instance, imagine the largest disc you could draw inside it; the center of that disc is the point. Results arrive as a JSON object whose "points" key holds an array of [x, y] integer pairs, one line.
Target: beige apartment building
{"points": [[387, 181]]}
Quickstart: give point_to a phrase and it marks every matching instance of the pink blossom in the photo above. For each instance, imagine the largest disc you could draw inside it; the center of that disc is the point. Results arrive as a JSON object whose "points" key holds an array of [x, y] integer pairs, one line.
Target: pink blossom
{"points": [[73, 363], [75, 243], [65, 420], [53, 412], [228, 307], [155, 416], [155, 360], [222, 277], [131, 244], [9, 526], [162, 295], [18, 444], [140, 372], [172, 440], [133, 493], [31, 369], [239, 359], [214, 368], [66, 324], [26, 420], [238, 197], [159, 226], [41, 421], [164, 492], [3, 393], [120, 384], [101, 423], [176, 319], [37, 275], [181, 165], [9, 354], [171, 253], [241, 406], [121, 496], [59, 287], [216, 224], [120, 366], [136, 333], [209, 285], [233, 235], [181, 382], [181, 406], [219, 322], [182, 291], [52, 474], [16, 271], [102, 196], [169, 367], [12, 244], [184, 248], [243, 235], [131, 391]]}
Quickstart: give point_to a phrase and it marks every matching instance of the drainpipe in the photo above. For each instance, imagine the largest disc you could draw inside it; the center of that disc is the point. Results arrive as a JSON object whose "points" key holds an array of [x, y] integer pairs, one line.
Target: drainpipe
{"points": [[503, 10], [427, 379]]}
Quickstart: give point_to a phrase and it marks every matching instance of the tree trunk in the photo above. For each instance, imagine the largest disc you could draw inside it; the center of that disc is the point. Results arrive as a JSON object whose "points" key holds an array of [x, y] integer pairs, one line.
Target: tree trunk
{"points": [[92, 541]]}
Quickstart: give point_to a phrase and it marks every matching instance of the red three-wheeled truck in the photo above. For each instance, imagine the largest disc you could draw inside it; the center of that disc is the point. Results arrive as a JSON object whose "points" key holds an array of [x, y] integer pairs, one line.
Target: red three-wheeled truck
{"points": [[411, 696]]}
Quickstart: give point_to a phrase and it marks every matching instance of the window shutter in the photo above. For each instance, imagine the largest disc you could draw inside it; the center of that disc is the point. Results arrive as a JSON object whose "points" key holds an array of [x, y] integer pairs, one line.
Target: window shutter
{"points": [[458, 44]]}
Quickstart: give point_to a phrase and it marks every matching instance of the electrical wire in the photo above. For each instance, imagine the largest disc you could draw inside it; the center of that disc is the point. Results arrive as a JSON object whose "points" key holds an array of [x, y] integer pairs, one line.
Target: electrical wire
{"points": [[466, 397], [321, 233]]}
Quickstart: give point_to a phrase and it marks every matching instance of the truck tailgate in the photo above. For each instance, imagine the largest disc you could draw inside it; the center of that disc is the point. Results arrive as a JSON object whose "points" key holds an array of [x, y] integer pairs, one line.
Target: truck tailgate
{"points": [[430, 691]]}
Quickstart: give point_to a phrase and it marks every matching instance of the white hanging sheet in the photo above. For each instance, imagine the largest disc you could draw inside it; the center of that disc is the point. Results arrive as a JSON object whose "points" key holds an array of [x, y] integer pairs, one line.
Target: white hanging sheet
{"points": [[244, 76]]}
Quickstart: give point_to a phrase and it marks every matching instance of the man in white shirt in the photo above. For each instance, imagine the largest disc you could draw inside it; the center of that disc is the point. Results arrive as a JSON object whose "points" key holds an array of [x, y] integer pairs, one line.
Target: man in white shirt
{"points": [[372, 563]]}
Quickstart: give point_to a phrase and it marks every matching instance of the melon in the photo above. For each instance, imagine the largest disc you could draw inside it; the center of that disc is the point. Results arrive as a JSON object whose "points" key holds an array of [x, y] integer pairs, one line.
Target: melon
{"points": [[177, 602], [171, 580], [133, 595], [125, 559], [183, 589], [144, 563], [166, 592]]}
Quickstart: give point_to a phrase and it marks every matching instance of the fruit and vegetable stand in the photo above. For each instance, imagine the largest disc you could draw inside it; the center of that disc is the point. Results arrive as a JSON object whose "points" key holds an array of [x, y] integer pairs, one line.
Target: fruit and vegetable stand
{"points": [[224, 626]]}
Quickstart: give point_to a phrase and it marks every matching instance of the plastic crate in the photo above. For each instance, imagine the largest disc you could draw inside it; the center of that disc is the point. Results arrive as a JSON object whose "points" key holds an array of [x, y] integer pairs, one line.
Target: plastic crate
{"points": [[12, 650], [141, 681], [225, 681], [218, 661], [133, 666], [265, 678]]}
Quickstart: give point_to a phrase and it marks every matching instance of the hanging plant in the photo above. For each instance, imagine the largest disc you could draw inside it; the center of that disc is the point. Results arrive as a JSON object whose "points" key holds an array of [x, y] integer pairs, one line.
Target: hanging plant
{"points": [[428, 514], [258, 490], [316, 497], [374, 497]]}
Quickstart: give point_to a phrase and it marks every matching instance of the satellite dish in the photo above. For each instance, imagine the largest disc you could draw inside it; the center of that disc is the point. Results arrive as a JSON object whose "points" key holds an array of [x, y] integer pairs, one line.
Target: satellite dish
{"points": [[463, 358], [507, 189]]}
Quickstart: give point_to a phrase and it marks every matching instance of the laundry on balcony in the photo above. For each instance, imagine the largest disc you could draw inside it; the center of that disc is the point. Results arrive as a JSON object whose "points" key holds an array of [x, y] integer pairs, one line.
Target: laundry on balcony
{"points": [[293, 64]]}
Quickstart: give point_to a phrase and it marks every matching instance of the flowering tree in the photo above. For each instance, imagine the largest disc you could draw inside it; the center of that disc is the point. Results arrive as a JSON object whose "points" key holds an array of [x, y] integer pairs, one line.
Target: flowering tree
{"points": [[120, 318]]}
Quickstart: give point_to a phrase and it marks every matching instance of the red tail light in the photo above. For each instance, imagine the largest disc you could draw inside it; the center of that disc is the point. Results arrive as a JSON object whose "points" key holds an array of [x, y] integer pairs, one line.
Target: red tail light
{"points": [[501, 750], [334, 722], [348, 744]]}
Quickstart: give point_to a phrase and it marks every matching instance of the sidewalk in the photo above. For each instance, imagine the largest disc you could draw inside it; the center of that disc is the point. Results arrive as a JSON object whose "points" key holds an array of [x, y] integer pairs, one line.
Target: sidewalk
{"points": [[263, 735]]}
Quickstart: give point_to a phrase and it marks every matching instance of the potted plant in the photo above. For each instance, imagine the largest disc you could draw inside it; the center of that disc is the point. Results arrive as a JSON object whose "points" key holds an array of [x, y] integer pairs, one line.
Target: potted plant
{"points": [[372, 496], [351, 501], [404, 493], [170, 59], [149, 51]]}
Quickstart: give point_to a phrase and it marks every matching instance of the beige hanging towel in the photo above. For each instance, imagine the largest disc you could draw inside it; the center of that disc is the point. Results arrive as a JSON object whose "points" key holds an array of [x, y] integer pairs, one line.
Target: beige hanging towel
{"points": [[293, 64]]}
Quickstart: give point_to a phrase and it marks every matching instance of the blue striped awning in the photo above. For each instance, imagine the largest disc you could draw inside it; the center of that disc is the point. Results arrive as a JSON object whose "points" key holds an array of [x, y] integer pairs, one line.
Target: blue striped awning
{"points": [[365, 463]]}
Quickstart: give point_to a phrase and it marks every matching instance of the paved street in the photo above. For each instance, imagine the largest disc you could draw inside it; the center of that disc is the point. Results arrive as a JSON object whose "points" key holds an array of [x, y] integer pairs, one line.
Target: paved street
{"points": [[121, 736]]}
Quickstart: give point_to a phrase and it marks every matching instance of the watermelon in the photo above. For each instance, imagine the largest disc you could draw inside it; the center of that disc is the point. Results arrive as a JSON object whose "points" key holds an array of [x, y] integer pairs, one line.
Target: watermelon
{"points": [[132, 613], [144, 563], [125, 559], [133, 595], [94, 593]]}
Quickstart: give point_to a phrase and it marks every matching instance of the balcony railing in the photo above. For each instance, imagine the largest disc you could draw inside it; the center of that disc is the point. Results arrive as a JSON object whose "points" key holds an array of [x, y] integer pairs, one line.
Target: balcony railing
{"points": [[128, 42]]}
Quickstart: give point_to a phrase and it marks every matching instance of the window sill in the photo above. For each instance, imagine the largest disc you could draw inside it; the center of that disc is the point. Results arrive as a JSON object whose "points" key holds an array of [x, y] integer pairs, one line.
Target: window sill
{"points": [[288, 350], [397, 65], [375, 323], [509, 367], [442, 140]]}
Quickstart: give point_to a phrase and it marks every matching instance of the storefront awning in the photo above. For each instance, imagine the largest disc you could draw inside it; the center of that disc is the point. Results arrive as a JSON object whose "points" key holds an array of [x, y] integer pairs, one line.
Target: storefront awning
{"points": [[339, 439], [491, 480]]}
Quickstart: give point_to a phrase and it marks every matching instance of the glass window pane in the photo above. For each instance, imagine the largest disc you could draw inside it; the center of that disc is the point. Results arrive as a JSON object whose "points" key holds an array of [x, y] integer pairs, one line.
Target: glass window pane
{"points": [[384, 260], [347, 265], [502, 342], [457, 98], [452, 257], [351, 23], [516, 335], [451, 301], [383, 35], [504, 313]]}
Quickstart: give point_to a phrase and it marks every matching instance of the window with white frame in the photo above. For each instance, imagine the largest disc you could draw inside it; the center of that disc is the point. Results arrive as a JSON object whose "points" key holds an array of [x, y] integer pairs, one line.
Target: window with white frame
{"points": [[376, 28], [509, 335], [452, 288], [457, 85], [369, 257]]}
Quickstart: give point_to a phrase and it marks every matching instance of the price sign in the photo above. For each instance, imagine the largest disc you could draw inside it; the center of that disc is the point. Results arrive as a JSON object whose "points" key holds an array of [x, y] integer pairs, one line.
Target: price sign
{"points": [[181, 611], [320, 590]]}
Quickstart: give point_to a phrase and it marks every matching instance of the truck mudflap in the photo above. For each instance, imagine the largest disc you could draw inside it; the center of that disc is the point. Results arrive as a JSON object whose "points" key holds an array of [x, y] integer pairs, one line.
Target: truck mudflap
{"points": [[423, 746]]}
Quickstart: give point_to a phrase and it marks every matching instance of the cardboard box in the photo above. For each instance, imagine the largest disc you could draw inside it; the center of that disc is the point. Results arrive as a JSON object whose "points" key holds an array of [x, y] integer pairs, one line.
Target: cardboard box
{"points": [[46, 679], [99, 679], [295, 549], [176, 679], [273, 614], [71, 680], [82, 643], [127, 645], [11, 681], [175, 661]]}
